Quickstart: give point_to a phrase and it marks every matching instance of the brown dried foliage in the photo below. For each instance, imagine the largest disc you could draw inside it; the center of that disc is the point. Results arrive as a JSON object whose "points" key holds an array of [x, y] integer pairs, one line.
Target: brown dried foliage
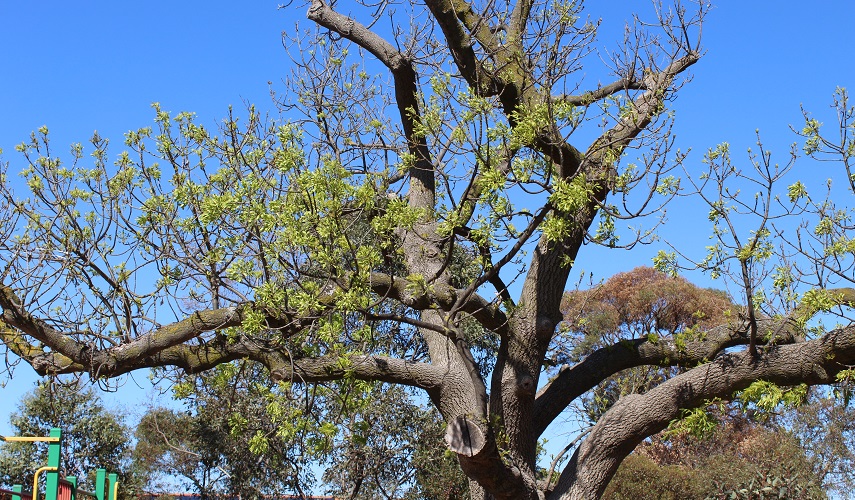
{"points": [[638, 302]]}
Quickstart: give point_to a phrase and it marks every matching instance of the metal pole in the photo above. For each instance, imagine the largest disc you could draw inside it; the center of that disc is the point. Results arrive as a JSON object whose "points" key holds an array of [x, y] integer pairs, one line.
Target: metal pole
{"points": [[54, 457], [100, 483], [73, 481]]}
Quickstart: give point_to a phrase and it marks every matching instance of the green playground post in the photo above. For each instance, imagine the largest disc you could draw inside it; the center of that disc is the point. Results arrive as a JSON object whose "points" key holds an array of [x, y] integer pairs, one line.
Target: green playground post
{"points": [[100, 483], [54, 456], [114, 486], [17, 489], [73, 481]]}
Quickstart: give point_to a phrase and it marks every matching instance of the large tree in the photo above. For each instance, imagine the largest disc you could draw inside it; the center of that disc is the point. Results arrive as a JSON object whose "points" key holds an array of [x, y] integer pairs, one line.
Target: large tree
{"points": [[320, 245]]}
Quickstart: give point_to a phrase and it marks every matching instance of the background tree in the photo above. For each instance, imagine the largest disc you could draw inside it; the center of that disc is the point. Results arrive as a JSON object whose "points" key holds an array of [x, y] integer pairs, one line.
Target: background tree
{"points": [[375, 445], [825, 429], [642, 303], [392, 448], [805, 444], [738, 454], [93, 436], [723, 451], [172, 444], [489, 139], [236, 436]]}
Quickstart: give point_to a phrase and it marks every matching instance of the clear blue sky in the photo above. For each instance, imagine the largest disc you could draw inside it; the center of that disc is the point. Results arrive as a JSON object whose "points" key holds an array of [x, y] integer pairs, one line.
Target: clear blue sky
{"points": [[98, 65]]}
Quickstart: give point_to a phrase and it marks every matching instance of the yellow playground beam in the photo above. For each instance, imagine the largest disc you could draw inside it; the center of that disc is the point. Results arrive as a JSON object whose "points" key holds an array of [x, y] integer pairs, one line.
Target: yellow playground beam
{"points": [[31, 439]]}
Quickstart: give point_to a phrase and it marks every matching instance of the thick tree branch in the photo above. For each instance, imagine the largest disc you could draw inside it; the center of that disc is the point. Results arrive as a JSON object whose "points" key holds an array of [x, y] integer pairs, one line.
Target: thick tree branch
{"points": [[16, 316], [130, 353], [43, 362], [105, 362], [480, 459], [457, 20], [573, 381], [444, 297], [357, 33], [197, 358], [547, 275], [362, 367], [644, 108], [69, 355], [519, 21], [635, 417]]}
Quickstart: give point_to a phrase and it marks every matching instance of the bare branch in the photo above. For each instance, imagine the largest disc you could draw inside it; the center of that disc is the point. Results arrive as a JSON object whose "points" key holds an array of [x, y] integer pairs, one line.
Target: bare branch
{"points": [[423, 184], [590, 97]]}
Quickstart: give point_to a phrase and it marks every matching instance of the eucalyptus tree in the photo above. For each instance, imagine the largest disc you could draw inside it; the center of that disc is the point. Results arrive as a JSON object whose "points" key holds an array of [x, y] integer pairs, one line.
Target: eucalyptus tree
{"points": [[239, 435], [172, 445], [643, 302], [93, 436], [319, 245]]}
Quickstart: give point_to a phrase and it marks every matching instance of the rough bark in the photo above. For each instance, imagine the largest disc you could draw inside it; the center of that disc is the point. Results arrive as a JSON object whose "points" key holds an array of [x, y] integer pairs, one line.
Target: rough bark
{"points": [[635, 417]]}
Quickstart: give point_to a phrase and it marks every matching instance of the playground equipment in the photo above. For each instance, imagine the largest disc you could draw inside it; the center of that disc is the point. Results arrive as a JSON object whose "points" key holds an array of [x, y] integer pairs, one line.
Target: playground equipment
{"points": [[56, 488]]}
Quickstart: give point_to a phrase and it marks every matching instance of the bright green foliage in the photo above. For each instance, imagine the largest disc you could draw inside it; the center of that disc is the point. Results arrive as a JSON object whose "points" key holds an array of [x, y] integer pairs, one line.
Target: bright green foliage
{"points": [[762, 399], [796, 191], [817, 300], [699, 422], [530, 121], [194, 207], [758, 248], [666, 262], [570, 196], [768, 397], [668, 186], [811, 133]]}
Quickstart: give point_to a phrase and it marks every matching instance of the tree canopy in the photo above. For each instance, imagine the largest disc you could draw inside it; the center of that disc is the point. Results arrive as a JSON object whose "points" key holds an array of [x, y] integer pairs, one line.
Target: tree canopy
{"points": [[239, 435], [93, 437], [413, 216]]}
